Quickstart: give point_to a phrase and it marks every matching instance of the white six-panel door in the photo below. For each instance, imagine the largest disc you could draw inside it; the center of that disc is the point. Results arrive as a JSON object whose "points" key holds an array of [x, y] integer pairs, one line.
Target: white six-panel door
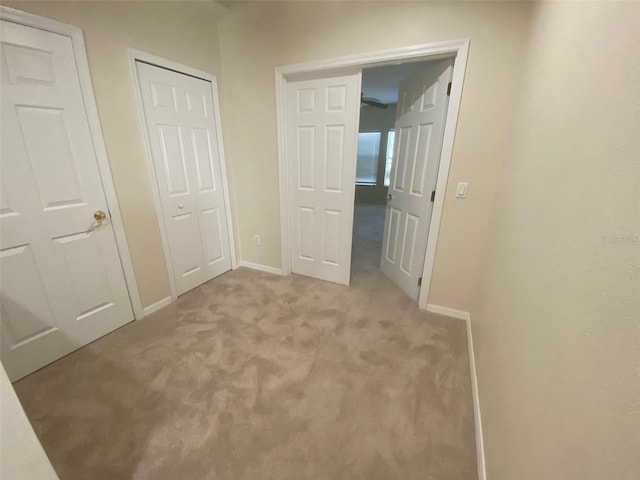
{"points": [[62, 284], [419, 128], [322, 141], [180, 122]]}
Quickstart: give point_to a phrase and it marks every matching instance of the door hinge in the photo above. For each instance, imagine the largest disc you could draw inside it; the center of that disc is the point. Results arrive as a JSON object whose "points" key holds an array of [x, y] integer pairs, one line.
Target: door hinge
{"points": [[420, 282], [449, 90], [433, 196]]}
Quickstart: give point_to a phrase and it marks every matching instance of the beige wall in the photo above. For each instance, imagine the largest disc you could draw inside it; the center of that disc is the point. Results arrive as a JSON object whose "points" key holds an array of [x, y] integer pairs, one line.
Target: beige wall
{"points": [[556, 321], [255, 40], [21, 455], [545, 251], [184, 32], [374, 119]]}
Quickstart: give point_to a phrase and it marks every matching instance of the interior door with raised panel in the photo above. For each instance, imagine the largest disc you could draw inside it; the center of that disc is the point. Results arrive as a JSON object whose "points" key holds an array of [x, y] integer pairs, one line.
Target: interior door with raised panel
{"points": [[180, 122], [62, 284], [322, 136], [419, 128]]}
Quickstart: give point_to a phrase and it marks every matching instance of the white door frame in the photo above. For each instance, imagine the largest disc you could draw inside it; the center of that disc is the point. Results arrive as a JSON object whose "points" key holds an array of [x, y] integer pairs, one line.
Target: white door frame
{"points": [[86, 87], [456, 48], [138, 55]]}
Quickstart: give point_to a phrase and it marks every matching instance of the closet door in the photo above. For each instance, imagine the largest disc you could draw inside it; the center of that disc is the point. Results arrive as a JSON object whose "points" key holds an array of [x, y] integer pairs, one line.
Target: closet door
{"points": [[181, 126]]}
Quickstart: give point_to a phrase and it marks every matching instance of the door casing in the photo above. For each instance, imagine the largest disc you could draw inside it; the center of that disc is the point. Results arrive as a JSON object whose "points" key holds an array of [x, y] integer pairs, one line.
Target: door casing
{"points": [[456, 49], [138, 55], [82, 65]]}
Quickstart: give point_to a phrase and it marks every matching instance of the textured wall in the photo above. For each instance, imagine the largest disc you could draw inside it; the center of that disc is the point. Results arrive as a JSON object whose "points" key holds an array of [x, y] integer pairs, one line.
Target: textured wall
{"points": [[256, 39], [184, 32], [556, 324], [21, 455]]}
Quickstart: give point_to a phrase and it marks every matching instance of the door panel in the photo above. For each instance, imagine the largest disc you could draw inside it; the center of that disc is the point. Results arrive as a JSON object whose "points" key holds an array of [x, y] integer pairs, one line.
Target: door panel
{"points": [[419, 125], [306, 233], [322, 134], [391, 235], [184, 145], [45, 136], [204, 160], [185, 232], [331, 231], [334, 158], [173, 159], [22, 285], [81, 254], [62, 282], [212, 235]]}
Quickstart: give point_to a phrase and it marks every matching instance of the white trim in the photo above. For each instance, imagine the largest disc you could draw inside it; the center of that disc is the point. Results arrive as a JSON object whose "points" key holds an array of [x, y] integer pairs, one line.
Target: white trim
{"points": [[457, 48], [450, 126], [482, 471], [154, 307], [449, 312], [223, 169], [145, 57], [86, 87], [138, 55], [260, 267], [132, 55], [412, 53], [283, 170], [462, 315], [36, 21]]}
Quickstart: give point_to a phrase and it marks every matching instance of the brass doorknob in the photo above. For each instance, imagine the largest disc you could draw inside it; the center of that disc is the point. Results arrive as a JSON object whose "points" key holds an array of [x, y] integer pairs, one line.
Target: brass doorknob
{"points": [[100, 216], [388, 197]]}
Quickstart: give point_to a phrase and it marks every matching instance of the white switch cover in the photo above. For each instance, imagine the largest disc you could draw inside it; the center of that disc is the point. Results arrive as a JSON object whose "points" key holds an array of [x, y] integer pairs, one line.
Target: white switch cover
{"points": [[461, 191]]}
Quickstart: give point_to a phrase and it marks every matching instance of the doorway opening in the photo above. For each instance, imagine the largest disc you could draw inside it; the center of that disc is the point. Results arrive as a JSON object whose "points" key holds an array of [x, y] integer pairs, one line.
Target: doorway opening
{"points": [[318, 119], [380, 91], [394, 199]]}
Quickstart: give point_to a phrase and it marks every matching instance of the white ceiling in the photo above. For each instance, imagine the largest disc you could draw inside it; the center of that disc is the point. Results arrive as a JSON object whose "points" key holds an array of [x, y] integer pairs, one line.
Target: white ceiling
{"points": [[382, 82]]}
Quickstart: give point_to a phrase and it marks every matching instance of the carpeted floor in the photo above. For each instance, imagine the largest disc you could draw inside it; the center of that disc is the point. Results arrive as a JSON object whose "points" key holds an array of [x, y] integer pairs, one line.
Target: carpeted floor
{"points": [[257, 376]]}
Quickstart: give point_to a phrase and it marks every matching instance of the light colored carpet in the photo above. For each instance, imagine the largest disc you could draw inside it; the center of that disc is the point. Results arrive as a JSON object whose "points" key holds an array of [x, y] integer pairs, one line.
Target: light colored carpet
{"points": [[258, 376]]}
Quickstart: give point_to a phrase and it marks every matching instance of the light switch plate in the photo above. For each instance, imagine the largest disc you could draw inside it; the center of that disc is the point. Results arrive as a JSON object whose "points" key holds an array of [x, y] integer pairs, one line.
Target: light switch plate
{"points": [[461, 191]]}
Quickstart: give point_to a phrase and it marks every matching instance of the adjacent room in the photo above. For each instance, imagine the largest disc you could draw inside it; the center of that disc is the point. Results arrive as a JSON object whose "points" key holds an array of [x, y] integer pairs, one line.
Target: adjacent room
{"points": [[394, 200], [319, 240], [373, 169]]}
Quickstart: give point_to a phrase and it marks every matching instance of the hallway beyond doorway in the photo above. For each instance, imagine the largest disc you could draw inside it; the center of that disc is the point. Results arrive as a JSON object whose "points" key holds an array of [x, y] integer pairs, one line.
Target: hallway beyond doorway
{"points": [[368, 226]]}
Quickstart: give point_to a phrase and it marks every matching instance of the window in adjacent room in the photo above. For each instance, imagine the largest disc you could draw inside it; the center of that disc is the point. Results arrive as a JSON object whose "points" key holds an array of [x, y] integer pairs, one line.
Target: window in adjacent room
{"points": [[368, 153]]}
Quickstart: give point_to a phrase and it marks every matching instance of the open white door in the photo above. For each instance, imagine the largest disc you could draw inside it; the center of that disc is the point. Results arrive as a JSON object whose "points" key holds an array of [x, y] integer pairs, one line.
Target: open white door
{"points": [[62, 284], [179, 113], [420, 117], [322, 145]]}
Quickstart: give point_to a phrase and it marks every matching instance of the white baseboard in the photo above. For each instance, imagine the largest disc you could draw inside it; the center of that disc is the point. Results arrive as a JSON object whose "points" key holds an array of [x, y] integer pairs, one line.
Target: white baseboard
{"points": [[462, 315], [154, 307], [482, 473], [449, 312], [260, 267]]}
